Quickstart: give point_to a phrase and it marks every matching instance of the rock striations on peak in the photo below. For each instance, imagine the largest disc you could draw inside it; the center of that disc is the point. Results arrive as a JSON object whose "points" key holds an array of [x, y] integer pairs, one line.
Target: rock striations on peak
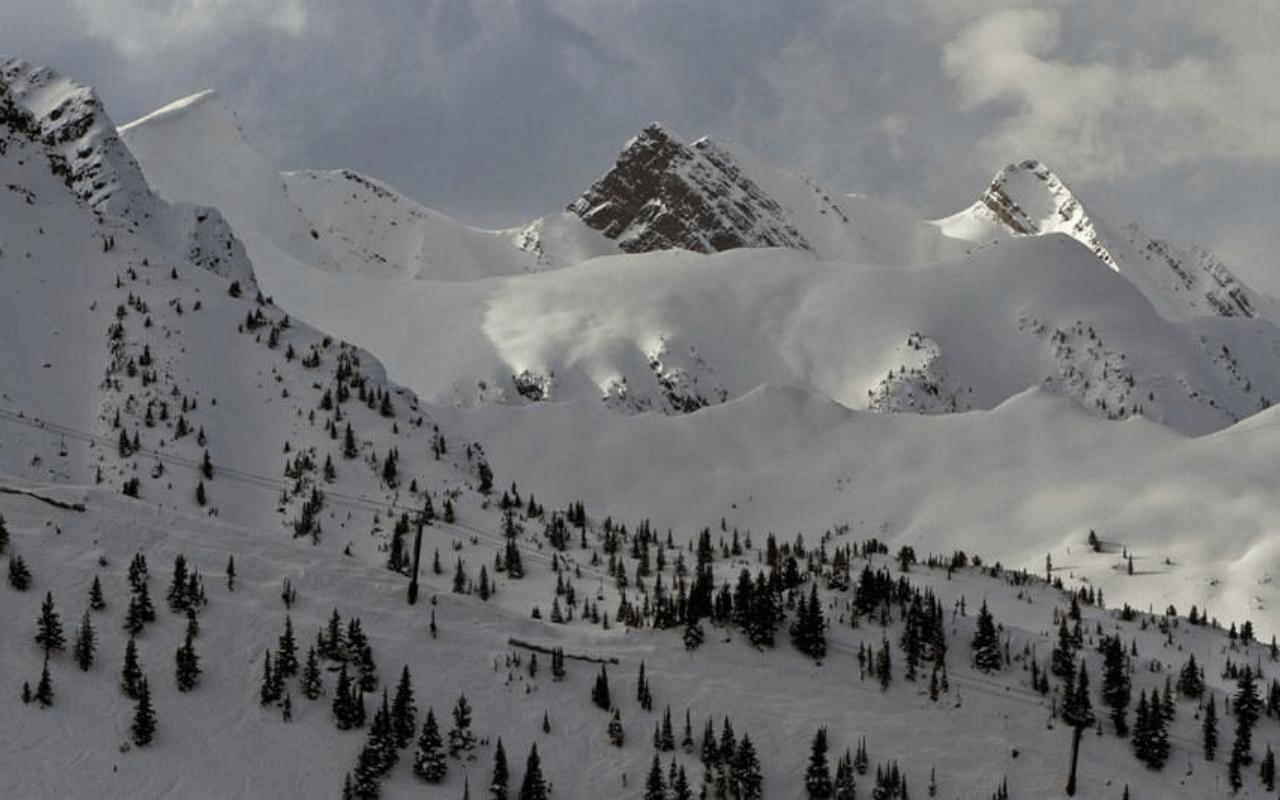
{"points": [[664, 194]]}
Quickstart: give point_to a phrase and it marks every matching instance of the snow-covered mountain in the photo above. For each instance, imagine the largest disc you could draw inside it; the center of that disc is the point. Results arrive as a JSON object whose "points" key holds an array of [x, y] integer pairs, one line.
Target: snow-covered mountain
{"points": [[1084, 421]]}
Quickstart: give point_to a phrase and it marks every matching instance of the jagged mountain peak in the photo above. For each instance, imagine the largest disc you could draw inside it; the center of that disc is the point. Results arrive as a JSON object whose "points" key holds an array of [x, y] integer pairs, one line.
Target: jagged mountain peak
{"points": [[72, 123], [1029, 199], [663, 193]]}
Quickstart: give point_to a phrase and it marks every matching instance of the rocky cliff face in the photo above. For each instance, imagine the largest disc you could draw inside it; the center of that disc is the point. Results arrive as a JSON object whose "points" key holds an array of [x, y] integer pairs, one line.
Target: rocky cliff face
{"points": [[84, 149], [664, 194]]}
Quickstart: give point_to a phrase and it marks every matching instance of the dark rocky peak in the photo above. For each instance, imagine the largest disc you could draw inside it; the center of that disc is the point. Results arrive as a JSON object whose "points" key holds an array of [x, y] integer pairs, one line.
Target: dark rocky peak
{"points": [[663, 194]]}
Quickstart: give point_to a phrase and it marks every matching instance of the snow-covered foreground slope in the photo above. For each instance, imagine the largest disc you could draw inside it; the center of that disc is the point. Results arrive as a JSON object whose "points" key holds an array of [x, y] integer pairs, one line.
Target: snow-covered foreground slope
{"points": [[219, 739]]}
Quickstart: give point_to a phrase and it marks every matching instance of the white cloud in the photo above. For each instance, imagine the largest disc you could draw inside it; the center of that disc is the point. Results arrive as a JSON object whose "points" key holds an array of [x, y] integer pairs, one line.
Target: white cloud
{"points": [[1153, 105], [141, 27]]}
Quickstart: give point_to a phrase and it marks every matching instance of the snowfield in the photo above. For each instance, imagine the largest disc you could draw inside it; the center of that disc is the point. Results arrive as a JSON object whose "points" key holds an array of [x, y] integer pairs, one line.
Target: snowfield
{"points": [[296, 373]]}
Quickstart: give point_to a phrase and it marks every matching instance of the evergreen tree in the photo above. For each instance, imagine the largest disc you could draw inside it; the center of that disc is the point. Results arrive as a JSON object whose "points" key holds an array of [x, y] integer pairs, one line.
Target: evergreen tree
{"points": [[986, 642], [49, 627], [614, 729], [655, 786], [461, 739], [364, 778], [1062, 659], [1190, 681], [144, 717], [188, 665], [344, 701], [429, 761], [4, 536], [499, 778], [557, 664], [44, 689], [131, 675], [177, 594], [1247, 707], [382, 737], [404, 714], [310, 681], [808, 633], [533, 787], [19, 574], [1209, 729], [600, 690], [96, 601], [86, 643], [1267, 770], [1116, 685], [287, 654], [845, 786], [1077, 711], [746, 770], [817, 776], [666, 739], [270, 689], [680, 789], [231, 573]]}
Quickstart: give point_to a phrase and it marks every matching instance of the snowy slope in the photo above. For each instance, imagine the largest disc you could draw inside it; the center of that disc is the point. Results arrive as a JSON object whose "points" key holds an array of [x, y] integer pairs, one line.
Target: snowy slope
{"points": [[769, 356], [1028, 199], [195, 150]]}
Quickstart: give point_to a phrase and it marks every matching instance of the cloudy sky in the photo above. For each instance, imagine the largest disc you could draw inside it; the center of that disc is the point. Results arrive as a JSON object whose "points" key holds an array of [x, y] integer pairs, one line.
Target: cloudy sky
{"points": [[496, 111]]}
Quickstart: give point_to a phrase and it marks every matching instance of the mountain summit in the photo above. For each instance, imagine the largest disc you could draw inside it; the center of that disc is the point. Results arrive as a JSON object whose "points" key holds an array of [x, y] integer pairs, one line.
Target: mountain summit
{"points": [[664, 194]]}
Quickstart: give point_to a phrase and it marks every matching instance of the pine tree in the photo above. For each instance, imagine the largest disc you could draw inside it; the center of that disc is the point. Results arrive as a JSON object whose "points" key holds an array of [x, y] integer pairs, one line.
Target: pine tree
{"points": [[131, 675], [666, 736], [86, 643], [19, 574], [188, 665], [1247, 707], [680, 789], [499, 778], [344, 701], [177, 594], [403, 711], [746, 770], [364, 778], [600, 690], [808, 633], [1209, 729], [533, 787], [986, 642], [270, 689], [1267, 770], [4, 536], [1117, 687], [144, 717], [817, 776], [44, 689], [287, 654], [310, 681], [1190, 681], [655, 786], [231, 573], [461, 739], [557, 664], [429, 761], [1077, 711], [614, 729], [845, 786], [49, 627], [96, 601]]}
